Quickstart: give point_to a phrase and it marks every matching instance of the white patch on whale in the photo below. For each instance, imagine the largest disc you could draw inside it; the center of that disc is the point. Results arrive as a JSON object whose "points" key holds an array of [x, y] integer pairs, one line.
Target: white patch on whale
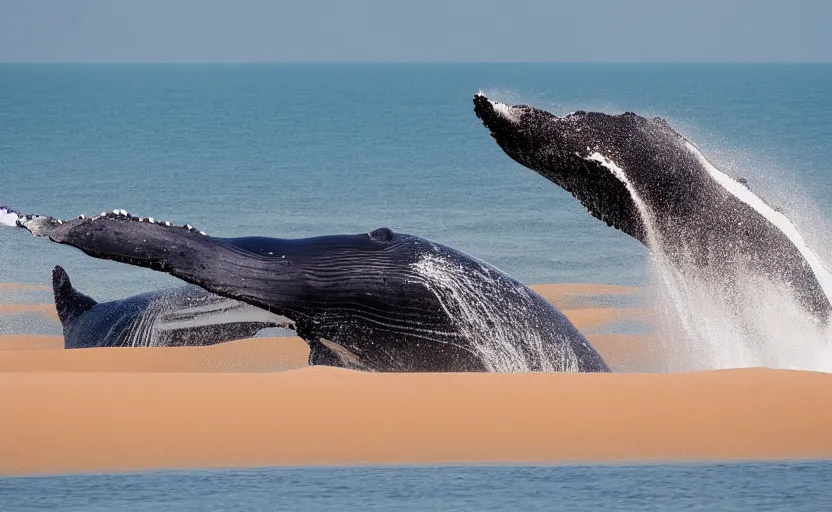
{"points": [[653, 243], [477, 303], [616, 171], [776, 218], [162, 317], [715, 327], [226, 311], [506, 111]]}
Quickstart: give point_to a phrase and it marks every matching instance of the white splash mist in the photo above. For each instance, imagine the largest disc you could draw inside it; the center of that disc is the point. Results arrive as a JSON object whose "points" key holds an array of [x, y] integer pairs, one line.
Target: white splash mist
{"points": [[759, 323], [8, 217], [497, 316]]}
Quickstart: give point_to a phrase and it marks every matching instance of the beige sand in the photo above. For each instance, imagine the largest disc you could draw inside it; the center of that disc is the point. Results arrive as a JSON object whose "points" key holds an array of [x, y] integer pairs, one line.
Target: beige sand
{"points": [[57, 422], [23, 286], [47, 310], [123, 409], [253, 355], [569, 295], [30, 342], [630, 353], [588, 319], [46, 354]]}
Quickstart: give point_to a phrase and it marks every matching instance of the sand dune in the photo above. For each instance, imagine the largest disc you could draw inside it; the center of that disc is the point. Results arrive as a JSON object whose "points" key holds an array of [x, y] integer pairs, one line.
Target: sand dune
{"points": [[23, 286], [571, 295], [229, 405], [561, 289], [47, 310], [46, 354], [253, 355], [30, 342], [630, 353], [57, 422], [595, 318]]}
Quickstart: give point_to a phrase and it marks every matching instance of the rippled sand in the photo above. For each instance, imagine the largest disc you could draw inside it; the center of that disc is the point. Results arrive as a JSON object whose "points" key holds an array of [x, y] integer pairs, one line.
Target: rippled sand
{"points": [[254, 402]]}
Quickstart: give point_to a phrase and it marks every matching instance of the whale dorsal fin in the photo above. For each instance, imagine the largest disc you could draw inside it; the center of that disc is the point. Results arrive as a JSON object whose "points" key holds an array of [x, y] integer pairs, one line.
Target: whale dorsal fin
{"points": [[69, 302]]}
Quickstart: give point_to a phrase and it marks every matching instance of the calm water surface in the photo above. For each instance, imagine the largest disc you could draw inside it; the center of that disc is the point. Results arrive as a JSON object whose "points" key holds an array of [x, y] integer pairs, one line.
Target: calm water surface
{"points": [[793, 487]]}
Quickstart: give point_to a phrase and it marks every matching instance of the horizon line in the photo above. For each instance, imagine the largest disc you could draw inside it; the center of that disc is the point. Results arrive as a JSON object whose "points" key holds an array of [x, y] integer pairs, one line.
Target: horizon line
{"points": [[394, 62]]}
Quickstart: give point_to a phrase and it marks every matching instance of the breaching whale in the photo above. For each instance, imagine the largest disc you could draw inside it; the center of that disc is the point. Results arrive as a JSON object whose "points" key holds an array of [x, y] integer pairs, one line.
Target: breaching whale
{"points": [[640, 176], [183, 316], [380, 301]]}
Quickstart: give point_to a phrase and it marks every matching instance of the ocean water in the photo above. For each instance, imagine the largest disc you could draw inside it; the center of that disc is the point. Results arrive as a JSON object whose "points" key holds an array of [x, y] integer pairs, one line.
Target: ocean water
{"points": [[302, 150], [796, 487]]}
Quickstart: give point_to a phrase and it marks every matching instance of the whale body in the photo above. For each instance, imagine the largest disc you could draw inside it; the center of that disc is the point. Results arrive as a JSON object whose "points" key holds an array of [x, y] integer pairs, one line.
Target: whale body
{"points": [[379, 301], [183, 316], [642, 177]]}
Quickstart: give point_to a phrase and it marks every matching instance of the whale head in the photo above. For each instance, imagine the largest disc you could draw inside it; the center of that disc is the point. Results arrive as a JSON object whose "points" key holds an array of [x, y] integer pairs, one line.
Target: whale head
{"points": [[637, 173], [579, 152]]}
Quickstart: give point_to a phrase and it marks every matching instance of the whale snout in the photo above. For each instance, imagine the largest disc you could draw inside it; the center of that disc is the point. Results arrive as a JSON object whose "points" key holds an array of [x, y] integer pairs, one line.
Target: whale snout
{"points": [[517, 129], [498, 116]]}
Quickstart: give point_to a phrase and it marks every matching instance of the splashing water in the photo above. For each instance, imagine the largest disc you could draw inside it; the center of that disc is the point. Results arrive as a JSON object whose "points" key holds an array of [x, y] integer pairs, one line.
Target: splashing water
{"points": [[705, 323], [498, 315], [759, 323]]}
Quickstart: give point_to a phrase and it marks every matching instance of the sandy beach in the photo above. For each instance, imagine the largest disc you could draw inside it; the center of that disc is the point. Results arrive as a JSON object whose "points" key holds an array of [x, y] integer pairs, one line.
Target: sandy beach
{"points": [[254, 402]]}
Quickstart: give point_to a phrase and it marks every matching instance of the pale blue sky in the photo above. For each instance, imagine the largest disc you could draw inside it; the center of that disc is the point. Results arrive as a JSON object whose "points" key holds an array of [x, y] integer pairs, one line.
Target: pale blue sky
{"points": [[415, 30]]}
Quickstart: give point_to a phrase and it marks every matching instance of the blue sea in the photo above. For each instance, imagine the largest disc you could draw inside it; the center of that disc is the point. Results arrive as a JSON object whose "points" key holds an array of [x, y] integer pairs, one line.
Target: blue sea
{"points": [[303, 150], [795, 487]]}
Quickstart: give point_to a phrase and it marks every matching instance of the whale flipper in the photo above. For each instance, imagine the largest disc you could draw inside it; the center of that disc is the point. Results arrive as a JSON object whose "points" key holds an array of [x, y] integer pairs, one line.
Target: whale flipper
{"points": [[183, 316], [183, 252], [69, 302]]}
